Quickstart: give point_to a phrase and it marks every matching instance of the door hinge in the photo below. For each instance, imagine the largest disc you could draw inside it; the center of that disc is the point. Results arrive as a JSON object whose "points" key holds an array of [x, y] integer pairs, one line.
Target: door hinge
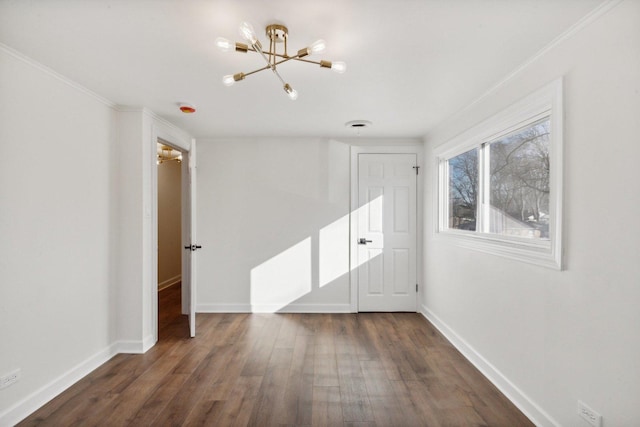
{"points": [[417, 168], [416, 287]]}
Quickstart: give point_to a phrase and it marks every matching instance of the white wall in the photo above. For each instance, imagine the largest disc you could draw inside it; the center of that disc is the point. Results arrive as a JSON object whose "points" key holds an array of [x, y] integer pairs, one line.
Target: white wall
{"points": [[78, 281], [132, 131], [57, 216], [262, 204], [553, 337], [273, 222]]}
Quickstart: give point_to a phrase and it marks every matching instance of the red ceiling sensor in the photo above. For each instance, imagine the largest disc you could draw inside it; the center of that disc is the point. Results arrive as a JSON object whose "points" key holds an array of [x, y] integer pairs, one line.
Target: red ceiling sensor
{"points": [[187, 108]]}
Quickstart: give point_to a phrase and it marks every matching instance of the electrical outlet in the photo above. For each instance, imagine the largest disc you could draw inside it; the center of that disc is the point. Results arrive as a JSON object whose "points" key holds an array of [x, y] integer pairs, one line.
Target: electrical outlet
{"points": [[10, 378], [589, 415]]}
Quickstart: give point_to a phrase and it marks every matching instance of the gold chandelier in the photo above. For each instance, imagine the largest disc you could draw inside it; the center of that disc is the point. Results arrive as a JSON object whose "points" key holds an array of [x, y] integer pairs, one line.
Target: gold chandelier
{"points": [[167, 154], [278, 35]]}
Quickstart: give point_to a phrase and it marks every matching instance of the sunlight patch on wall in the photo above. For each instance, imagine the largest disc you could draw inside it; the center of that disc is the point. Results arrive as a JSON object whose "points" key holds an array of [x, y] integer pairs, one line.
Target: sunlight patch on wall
{"points": [[282, 279], [288, 276], [334, 250]]}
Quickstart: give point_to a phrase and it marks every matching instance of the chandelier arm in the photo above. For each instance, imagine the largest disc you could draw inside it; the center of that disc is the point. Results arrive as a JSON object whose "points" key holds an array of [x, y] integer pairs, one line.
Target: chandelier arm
{"points": [[260, 51], [266, 67], [279, 76], [269, 64], [273, 66], [295, 58], [285, 57], [306, 60]]}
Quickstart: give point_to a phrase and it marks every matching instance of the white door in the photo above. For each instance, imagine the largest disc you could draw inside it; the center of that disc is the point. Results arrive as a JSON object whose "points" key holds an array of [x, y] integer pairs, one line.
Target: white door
{"points": [[387, 234], [189, 239]]}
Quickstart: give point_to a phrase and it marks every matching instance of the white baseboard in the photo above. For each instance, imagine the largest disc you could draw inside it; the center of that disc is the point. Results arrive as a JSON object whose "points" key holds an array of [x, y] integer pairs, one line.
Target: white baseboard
{"points": [[528, 407], [135, 347], [40, 397], [223, 308], [310, 308], [269, 308], [130, 347], [169, 282], [148, 342]]}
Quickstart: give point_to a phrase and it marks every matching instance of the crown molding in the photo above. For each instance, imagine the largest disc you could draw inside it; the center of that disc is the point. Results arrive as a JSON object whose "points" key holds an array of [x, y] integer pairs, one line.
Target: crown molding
{"points": [[584, 22], [160, 121], [50, 72]]}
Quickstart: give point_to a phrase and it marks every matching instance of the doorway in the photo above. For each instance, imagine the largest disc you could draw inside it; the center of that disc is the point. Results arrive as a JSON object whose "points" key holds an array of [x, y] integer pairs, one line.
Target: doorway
{"points": [[188, 216], [385, 228], [169, 201]]}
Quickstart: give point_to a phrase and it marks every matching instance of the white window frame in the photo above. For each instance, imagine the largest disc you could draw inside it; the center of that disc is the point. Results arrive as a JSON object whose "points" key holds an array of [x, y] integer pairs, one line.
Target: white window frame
{"points": [[547, 253]]}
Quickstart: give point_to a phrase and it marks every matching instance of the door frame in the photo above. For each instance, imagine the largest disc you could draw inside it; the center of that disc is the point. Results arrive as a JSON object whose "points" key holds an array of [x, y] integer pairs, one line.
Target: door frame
{"points": [[165, 135], [356, 150]]}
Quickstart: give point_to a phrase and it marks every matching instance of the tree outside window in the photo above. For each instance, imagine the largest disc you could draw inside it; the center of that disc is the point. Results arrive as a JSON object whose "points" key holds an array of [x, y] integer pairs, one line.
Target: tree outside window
{"points": [[517, 184], [463, 190]]}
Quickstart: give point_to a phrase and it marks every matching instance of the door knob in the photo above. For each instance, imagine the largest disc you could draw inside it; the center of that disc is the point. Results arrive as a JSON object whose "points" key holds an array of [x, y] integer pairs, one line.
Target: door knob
{"points": [[363, 241], [193, 247]]}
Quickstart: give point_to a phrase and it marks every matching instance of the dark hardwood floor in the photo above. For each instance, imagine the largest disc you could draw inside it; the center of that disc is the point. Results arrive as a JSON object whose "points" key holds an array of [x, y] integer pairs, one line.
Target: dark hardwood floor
{"points": [[388, 369]]}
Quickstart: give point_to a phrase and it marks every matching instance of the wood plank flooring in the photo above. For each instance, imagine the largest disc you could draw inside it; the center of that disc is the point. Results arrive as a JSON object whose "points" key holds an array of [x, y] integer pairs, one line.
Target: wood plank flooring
{"points": [[366, 369]]}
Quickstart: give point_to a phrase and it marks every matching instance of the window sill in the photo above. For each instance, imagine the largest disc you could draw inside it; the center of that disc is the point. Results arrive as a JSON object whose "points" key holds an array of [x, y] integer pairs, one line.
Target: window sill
{"points": [[532, 252]]}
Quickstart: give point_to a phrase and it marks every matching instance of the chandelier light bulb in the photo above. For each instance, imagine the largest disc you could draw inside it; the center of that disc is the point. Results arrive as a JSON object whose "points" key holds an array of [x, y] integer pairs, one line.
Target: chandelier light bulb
{"points": [[224, 44], [339, 67], [291, 92], [248, 33], [228, 80], [318, 46]]}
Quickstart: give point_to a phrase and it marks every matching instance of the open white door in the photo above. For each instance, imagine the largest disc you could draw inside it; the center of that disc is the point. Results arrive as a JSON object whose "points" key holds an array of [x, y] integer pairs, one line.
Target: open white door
{"points": [[189, 239], [194, 246]]}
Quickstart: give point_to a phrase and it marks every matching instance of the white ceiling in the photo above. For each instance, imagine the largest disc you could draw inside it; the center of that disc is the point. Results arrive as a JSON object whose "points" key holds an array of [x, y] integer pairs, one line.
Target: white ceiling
{"points": [[410, 63]]}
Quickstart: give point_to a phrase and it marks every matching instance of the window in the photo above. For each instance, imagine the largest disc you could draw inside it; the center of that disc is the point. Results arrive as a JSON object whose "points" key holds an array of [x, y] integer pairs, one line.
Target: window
{"points": [[463, 190], [518, 177], [499, 183]]}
